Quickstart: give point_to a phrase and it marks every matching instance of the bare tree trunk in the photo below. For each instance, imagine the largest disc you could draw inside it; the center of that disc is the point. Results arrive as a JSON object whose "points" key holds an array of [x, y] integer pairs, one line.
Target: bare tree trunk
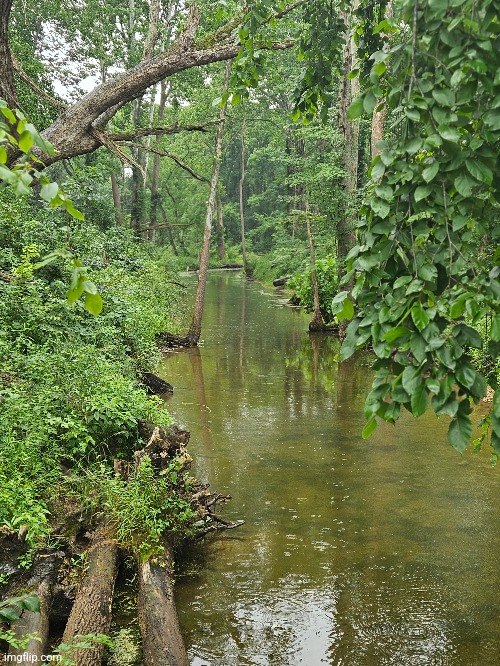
{"points": [[221, 247], [155, 177], [194, 332], [7, 83], [161, 635], [378, 117], [116, 199], [168, 227], [316, 323], [242, 180], [91, 612], [346, 234]]}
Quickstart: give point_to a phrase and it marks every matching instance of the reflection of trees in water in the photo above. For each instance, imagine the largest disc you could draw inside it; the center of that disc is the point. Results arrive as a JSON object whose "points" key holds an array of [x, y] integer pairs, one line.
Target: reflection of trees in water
{"points": [[317, 359]]}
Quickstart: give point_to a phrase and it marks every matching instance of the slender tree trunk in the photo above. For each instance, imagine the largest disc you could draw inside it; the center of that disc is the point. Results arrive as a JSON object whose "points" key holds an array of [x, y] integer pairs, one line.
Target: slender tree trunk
{"points": [[155, 176], [168, 227], [194, 332], [116, 199], [242, 209], [346, 234], [378, 117], [316, 323], [221, 247]]}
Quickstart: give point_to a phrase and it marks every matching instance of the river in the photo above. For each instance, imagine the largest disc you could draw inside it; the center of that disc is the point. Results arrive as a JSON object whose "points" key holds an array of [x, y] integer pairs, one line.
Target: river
{"points": [[353, 553]]}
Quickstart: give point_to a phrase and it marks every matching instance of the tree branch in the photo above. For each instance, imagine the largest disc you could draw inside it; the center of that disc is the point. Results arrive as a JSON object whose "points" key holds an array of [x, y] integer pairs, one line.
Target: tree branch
{"points": [[176, 159], [7, 83], [147, 131], [56, 103]]}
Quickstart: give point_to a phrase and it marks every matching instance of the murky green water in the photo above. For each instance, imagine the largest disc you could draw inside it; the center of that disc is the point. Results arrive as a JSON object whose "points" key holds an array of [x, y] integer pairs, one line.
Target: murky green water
{"points": [[354, 553]]}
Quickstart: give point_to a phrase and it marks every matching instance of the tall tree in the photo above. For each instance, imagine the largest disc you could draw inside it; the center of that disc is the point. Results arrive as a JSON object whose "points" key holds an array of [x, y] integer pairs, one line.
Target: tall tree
{"points": [[193, 336]]}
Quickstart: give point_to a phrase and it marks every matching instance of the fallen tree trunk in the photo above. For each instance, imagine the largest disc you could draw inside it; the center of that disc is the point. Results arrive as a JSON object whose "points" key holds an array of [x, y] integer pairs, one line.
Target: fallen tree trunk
{"points": [[280, 282], [162, 641], [91, 612], [41, 583]]}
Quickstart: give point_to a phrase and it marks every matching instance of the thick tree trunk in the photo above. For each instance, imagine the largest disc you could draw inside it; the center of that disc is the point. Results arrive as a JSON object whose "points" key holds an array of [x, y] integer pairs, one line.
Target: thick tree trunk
{"points": [[194, 332], [42, 584], [316, 323], [221, 246], [162, 641], [91, 612], [378, 126], [242, 208], [7, 83]]}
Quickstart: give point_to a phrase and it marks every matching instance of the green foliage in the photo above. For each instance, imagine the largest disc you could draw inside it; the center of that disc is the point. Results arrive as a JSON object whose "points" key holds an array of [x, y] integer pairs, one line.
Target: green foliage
{"points": [[146, 507], [423, 280], [326, 276]]}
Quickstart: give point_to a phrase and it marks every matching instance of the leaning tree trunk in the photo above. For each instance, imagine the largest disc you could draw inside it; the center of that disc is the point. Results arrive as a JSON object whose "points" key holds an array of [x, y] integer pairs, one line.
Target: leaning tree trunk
{"points": [[221, 246], [91, 612], [316, 323], [162, 642], [155, 176], [42, 584], [116, 198], [194, 332]]}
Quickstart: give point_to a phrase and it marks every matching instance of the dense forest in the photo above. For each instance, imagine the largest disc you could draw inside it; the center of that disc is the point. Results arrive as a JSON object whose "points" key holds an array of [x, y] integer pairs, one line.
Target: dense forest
{"points": [[350, 151]]}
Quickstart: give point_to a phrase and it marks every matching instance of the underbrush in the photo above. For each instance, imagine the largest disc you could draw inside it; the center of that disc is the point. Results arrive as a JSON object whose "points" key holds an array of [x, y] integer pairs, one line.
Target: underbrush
{"points": [[69, 394]]}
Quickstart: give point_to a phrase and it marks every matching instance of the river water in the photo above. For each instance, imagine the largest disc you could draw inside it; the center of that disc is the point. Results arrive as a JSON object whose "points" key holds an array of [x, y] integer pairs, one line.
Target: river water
{"points": [[353, 553]]}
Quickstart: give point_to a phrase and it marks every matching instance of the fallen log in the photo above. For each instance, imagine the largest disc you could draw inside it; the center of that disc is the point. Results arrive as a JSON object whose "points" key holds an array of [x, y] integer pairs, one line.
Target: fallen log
{"points": [[156, 384], [91, 612], [280, 282], [162, 641], [41, 583]]}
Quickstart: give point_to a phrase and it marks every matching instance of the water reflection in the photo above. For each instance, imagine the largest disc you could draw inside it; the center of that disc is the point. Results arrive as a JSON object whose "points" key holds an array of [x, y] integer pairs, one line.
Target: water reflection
{"points": [[353, 553]]}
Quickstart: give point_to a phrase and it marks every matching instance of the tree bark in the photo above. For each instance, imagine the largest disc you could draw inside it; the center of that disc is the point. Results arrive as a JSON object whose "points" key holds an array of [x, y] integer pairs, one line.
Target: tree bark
{"points": [[42, 584], [346, 234], [193, 336], [155, 176], [7, 83], [116, 199], [221, 246], [242, 209], [316, 323], [378, 117], [91, 612], [162, 641]]}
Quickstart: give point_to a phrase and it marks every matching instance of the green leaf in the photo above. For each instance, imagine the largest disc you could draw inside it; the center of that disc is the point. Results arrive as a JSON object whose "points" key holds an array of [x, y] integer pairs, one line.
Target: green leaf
{"points": [[380, 207], [422, 192], [444, 96], [410, 379], [395, 333], [93, 303], [25, 141], [418, 347], [466, 375], [449, 133], [464, 184], [459, 432], [68, 205], [430, 172], [419, 399], [495, 328], [31, 603], [377, 170], [369, 428], [480, 171], [355, 109], [369, 102], [49, 191], [8, 615], [427, 272], [419, 316]]}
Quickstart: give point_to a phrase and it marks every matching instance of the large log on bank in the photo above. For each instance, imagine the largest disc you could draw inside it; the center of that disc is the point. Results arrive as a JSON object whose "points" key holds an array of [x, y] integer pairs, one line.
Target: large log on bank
{"points": [[280, 282], [162, 641], [91, 612], [41, 583]]}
